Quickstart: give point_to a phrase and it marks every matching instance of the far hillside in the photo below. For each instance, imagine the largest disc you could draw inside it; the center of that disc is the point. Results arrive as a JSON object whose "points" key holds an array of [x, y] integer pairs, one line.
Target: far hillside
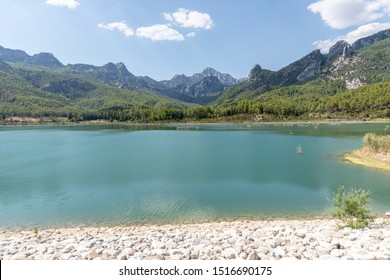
{"points": [[349, 82]]}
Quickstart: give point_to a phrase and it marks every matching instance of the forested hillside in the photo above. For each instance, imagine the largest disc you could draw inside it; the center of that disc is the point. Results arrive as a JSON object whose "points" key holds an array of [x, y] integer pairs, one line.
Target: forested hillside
{"points": [[351, 81]]}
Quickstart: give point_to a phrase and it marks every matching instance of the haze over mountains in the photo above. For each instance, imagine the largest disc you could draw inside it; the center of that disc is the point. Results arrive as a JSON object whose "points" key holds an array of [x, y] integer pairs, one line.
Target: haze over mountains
{"points": [[31, 81]]}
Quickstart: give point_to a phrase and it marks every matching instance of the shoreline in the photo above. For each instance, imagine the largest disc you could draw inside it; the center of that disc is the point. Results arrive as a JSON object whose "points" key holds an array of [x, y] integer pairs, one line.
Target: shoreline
{"points": [[363, 158], [249, 240], [34, 122]]}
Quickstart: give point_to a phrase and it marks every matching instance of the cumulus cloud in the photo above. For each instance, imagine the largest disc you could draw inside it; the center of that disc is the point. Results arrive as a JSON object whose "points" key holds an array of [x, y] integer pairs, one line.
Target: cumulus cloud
{"points": [[192, 19], [71, 4], [353, 36], [342, 14], [166, 32], [120, 26], [159, 32]]}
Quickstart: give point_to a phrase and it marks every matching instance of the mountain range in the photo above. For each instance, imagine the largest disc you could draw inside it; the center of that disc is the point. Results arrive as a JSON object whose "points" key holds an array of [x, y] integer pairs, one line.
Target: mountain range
{"points": [[41, 85], [343, 62], [199, 88], [367, 61]]}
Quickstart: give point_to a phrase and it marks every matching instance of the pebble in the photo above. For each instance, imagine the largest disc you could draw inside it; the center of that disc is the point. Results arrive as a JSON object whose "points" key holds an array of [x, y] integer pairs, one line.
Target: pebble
{"points": [[253, 256], [250, 240]]}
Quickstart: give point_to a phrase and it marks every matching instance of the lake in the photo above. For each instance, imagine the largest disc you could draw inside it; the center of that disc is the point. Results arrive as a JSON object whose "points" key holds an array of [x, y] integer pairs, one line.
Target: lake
{"points": [[122, 174]]}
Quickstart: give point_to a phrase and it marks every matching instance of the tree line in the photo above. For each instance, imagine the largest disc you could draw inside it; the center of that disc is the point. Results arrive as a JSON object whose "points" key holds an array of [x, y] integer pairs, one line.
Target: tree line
{"points": [[371, 101]]}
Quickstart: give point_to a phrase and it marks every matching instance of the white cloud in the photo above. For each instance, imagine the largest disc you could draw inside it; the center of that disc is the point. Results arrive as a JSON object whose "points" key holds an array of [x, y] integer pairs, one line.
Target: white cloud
{"points": [[342, 14], [164, 32], [187, 18], [159, 32], [120, 26], [353, 36], [191, 35], [71, 4]]}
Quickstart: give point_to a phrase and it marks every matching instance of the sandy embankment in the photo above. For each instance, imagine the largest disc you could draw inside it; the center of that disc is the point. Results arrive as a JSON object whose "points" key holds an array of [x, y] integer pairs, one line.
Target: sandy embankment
{"points": [[280, 239]]}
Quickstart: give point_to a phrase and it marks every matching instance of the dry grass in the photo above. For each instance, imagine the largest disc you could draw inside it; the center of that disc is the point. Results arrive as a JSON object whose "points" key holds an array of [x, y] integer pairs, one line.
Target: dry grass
{"points": [[365, 158]]}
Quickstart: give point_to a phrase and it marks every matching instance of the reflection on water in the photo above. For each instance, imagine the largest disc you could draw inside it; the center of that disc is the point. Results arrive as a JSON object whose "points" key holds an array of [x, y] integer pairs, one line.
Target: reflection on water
{"points": [[174, 173]]}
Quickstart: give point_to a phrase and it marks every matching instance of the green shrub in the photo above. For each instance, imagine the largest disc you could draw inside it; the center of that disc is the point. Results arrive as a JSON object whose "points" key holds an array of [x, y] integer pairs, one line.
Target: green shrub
{"points": [[351, 208], [36, 233]]}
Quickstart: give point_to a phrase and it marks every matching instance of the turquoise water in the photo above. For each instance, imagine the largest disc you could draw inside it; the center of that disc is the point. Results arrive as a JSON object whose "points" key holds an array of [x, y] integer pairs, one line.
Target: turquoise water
{"points": [[156, 174]]}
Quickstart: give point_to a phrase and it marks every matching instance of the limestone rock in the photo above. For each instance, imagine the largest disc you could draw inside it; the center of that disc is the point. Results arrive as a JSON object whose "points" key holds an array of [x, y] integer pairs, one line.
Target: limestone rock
{"points": [[92, 255], [253, 256], [340, 50]]}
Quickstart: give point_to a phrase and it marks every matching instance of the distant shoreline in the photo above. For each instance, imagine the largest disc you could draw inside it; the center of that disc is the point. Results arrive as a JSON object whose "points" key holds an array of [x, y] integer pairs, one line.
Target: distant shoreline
{"points": [[364, 158], [17, 121]]}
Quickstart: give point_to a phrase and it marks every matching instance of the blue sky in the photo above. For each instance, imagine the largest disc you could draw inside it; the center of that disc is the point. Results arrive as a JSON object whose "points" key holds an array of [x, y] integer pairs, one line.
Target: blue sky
{"points": [[168, 37]]}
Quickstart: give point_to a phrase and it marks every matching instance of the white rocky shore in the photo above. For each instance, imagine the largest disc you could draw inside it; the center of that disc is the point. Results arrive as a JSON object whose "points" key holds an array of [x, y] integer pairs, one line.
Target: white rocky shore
{"points": [[252, 240]]}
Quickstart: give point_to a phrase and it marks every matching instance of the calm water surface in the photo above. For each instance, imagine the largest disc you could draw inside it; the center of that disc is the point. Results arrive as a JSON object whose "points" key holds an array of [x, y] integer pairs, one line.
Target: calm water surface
{"points": [[134, 174]]}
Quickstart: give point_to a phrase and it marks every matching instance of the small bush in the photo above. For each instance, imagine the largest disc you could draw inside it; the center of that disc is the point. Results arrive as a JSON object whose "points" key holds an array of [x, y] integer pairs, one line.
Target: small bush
{"points": [[351, 208], [377, 143], [36, 233]]}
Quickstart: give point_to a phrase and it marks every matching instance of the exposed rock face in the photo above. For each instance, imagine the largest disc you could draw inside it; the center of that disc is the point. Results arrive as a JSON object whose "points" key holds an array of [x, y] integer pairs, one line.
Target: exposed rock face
{"points": [[354, 83], [311, 71], [202, 92], [200, 88], [111, 74], [258, 74], [77, 68], [177, 80], [206, 86], [365, 42], [41, 59], [12, 55], [305, 68], [260, 78], [225, 79], [115, 75], [341, 50], [301, 70], [341, 63], [44, 59], [344, 62]]}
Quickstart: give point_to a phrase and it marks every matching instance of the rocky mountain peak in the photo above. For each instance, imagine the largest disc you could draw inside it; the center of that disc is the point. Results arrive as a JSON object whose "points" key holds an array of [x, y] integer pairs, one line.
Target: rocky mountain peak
{"points": [[116, 71], [254, 73], [110, 67], [298, 71], [209, 84], [12, 55], [122, 70], [225, 79], [202, 92], [44, 59], [209, 72], [41, 59], [82, 67], [177, 80], [340, 50]]}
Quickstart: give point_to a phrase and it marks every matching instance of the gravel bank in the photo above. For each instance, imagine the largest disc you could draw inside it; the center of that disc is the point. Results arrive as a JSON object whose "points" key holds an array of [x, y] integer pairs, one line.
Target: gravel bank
{"points": [[279, 239]]}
